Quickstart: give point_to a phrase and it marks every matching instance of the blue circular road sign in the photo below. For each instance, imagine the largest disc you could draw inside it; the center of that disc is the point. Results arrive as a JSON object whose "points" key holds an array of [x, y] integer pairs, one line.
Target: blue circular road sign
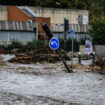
{"points": [[72, 34], [54, 43]]}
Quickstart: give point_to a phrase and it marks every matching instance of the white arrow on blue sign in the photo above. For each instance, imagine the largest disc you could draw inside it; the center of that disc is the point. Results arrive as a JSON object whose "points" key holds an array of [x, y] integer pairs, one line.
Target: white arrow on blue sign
{"points": [[72, 34], [54, 43]]}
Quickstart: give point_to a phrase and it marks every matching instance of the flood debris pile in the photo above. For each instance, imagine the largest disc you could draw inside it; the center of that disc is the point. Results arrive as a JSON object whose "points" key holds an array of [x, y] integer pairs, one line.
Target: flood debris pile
{"points": [[2, 51], [43, 54], [78, 66], [99, 65], [2, 62]]}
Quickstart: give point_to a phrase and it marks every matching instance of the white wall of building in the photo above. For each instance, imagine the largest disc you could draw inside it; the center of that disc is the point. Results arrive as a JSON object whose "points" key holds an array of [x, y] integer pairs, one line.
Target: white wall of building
{"points": [[58, 15], [3, 13]]}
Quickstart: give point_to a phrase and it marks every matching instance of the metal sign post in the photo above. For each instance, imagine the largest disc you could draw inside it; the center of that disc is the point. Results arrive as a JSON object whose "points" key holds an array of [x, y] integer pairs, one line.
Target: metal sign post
{"points": [[72, 34], [72, 51], [66, 28]]}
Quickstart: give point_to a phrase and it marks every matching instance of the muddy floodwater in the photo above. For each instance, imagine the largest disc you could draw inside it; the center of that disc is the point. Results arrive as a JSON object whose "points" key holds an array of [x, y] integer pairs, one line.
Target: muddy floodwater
{"points": [[49, 84]]}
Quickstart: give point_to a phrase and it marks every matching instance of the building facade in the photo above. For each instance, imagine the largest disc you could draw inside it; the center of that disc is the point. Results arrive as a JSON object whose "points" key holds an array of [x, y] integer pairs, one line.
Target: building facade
{"points": [[78, 21], [3, 13], [53, 17], [57, 15], [18, 31]]}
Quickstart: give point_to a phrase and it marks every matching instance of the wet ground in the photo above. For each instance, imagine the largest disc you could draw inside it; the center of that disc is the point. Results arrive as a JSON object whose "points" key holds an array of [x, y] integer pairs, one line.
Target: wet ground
{"points": [[49, 84]]}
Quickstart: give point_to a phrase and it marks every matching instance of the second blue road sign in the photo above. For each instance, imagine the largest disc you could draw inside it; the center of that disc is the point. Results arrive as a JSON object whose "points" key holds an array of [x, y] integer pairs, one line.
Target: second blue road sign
{"points": [[72, 34]]}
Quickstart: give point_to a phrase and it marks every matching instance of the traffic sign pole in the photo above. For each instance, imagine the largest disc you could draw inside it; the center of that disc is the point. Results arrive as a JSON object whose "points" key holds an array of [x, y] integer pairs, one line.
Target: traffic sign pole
{"points": [[72, 50], [72, 34], [66, 28]]}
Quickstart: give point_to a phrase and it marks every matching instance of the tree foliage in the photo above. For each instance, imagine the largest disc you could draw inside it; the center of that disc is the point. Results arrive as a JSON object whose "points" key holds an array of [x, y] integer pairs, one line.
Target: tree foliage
{"points": [[98, 31], [16, 2], [77, 4], [97, 21]]}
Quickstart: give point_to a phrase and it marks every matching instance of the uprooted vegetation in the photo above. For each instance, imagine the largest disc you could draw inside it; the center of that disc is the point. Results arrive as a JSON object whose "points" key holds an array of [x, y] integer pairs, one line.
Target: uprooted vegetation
{"points": [[42, 54], [2, 62], [39, 51], [35, 51], [33, 56], [99, 65]]}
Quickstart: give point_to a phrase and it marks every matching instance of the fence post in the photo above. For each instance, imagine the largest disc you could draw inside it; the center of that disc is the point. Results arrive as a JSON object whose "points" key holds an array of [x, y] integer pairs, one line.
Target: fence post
{"points": [[79, 57], [93, 57]]}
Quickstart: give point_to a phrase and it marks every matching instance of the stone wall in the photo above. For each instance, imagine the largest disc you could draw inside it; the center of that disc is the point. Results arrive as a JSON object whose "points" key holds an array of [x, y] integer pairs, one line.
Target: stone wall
{"points": [[100, 50]]}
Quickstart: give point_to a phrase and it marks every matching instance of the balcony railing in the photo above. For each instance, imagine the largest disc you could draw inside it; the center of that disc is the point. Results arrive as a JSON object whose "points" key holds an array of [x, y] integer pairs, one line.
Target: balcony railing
{"points": [[15, 26], [79, 28]]}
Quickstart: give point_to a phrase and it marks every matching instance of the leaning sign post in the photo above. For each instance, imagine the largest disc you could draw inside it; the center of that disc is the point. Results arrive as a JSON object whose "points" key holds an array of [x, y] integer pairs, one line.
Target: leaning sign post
{"points": [[54, 44], [72, 35]]}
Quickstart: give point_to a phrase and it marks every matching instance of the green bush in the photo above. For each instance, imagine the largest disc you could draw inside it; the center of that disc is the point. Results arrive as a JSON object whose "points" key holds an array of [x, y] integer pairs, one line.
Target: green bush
{"points": [[14, 44], [97, 31], [82, 41], [36, 43], [68, 46]]}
